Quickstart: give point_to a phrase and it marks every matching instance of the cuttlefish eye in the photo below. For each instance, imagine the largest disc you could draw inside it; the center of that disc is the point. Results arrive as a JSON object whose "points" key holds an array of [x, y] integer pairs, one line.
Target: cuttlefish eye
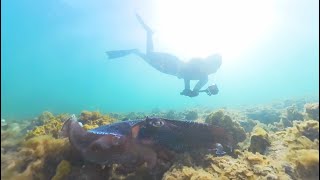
{"points": [[157, 123]]}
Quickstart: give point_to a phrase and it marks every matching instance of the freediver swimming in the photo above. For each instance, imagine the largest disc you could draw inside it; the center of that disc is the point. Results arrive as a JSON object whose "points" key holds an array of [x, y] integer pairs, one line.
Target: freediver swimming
{"points": [[195, 69]]}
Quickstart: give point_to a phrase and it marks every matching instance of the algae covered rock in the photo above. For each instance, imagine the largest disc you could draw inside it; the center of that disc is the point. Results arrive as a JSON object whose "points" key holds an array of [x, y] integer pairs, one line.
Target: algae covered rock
{"points": [[187, 173], [63, 169], [94, 119], [191, 115], [264, 115], [293, 114], [306, 163], [309, 129], [259, 140], [247, 166], [285, 122], [51, 125], [312, 110], [4, 124], [44, 117], [35, 159], [171, 114], [248, 124], [43, 146], [134, 115], [221, 120]]}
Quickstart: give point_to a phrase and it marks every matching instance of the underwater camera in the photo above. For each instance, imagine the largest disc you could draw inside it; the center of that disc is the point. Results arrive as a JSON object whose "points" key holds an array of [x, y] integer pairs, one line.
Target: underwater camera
{"points": [[211, 90]]}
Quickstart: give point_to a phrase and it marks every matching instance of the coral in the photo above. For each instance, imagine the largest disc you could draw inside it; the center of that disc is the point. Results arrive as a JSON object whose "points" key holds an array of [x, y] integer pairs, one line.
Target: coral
{"points": [[63, 169], [191, 115], [259, 140], [312, 110], [264, 115], [218, 118]]}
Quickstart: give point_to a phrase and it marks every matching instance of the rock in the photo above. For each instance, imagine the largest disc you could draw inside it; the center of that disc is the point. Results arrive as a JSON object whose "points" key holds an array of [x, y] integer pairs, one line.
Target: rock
{"points": [[312, 110], [259, 140], [264, 115]]}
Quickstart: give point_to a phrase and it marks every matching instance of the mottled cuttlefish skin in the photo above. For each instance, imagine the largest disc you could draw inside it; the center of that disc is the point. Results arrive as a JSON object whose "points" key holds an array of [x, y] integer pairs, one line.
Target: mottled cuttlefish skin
{"points": [[118, 128], [183, 136], [109, 144], [132, 142]]}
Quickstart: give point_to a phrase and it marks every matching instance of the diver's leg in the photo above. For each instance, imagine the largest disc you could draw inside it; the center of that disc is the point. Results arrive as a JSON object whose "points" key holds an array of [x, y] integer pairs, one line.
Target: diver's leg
{"points": [[149, 49], [187, 84], [119, 53], [142, 56], [149, 35], [200, 84], [187, 89]]}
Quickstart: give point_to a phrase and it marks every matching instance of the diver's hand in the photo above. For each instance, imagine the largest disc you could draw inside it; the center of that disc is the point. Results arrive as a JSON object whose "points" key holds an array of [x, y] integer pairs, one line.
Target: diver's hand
{"points": [[194, 93]]}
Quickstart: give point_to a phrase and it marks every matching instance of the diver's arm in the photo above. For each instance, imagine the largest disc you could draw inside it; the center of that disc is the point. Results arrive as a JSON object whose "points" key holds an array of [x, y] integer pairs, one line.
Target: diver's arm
{"points": [[200, 84]]}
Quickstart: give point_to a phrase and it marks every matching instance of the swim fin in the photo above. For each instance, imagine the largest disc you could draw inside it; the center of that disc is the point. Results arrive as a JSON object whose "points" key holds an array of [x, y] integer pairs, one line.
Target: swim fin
{"points": [[119, 53], [144, 25]]}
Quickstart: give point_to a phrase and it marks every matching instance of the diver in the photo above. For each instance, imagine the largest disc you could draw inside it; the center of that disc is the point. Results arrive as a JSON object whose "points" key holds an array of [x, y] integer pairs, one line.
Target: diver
{"points": [[195, 69]]}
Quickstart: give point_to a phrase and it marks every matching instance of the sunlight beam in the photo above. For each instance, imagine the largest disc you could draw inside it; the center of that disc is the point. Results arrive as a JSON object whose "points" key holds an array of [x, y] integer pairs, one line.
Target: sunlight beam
{"points": [[202, 27]]}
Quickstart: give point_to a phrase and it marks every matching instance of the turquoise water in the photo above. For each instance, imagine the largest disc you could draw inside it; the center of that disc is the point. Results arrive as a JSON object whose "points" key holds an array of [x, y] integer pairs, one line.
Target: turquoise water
{"points": [[53, 58]]}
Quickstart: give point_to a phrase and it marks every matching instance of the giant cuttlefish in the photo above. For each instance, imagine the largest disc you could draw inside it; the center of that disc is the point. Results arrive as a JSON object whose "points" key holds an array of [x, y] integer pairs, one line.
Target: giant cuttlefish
{"points": [[135, 141]]}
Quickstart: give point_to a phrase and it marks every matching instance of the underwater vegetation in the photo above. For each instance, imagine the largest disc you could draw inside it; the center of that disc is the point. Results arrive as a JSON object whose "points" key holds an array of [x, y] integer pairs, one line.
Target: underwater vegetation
{"points": [[265, 115], [219, 118], [278, 143], [259, 140], [312, 110], [47, 125]]}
